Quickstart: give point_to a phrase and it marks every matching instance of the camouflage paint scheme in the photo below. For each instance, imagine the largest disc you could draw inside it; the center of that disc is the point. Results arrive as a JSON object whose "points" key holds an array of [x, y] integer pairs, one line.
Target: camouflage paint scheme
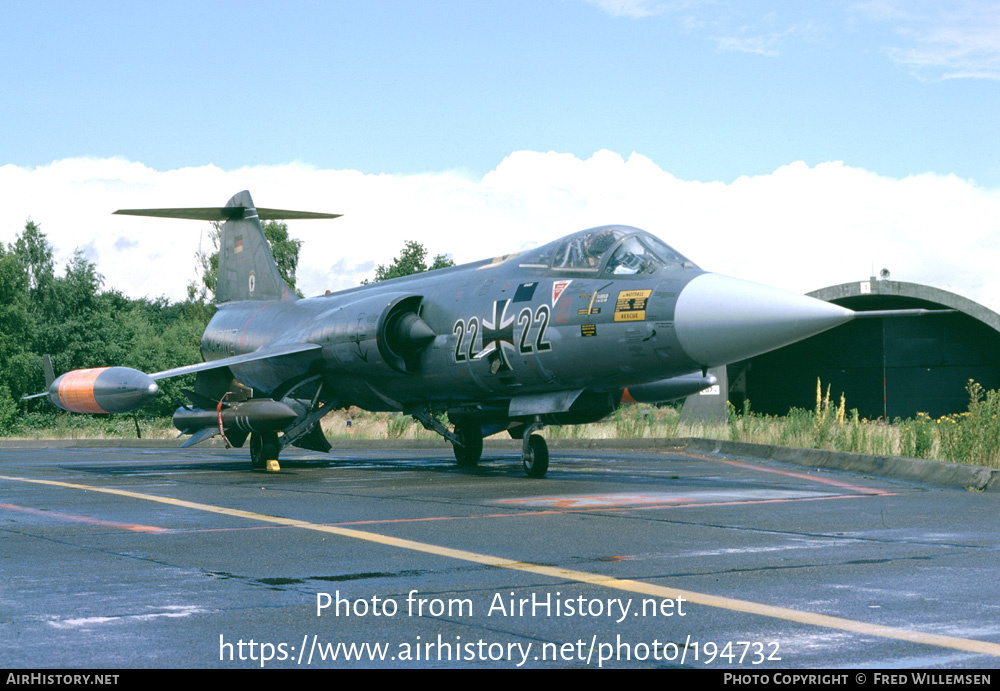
{"points": [[560, 334]]}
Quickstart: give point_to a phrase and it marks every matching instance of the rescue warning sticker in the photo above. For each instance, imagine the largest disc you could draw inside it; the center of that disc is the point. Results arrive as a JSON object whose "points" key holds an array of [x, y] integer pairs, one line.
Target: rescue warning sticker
{"points": [[631, 305]]}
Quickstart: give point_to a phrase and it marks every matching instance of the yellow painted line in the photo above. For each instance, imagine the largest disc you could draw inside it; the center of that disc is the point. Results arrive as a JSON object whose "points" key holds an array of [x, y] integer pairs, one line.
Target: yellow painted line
{"points": [[785, 613]]}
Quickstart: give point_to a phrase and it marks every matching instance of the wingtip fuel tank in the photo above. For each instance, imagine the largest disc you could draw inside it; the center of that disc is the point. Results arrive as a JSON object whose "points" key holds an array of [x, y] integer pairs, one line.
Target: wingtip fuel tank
{"points": [[102, 390]]}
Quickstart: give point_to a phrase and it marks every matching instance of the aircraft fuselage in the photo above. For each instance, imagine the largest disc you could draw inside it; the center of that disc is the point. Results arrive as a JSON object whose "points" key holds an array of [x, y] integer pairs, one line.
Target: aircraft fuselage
{"points": [[497, 335]]}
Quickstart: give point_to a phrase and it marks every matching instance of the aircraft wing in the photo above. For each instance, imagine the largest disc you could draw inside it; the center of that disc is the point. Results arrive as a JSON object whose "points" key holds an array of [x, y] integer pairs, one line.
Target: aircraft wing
{"points": [[262, 354]]}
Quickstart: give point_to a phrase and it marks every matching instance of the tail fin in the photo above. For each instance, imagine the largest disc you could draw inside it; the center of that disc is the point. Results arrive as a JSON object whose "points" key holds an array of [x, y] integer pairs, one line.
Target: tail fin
{"points": [[50, 375], [246, 267]]}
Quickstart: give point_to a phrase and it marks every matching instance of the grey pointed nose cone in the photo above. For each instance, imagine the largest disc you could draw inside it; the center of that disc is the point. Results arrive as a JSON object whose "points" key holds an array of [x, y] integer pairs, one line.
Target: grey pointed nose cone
{"points": [[719, 319]]}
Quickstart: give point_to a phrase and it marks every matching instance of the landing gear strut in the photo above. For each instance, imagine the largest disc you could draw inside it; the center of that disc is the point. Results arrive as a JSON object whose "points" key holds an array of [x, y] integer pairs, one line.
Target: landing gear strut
{"points": [[467, 439], [534, 451], [264, 447]]}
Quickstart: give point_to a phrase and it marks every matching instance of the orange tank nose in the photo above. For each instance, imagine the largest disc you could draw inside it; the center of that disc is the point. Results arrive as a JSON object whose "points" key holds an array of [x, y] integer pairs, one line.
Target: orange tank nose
{"points": [[102, 390]]}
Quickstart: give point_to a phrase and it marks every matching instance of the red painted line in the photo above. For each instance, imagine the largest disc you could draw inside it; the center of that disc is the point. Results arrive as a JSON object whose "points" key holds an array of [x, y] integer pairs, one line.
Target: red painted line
{"points": [[761, 501], [516, 514], [565, 508], [134, 527], [571, 502], [596, 509], [547, 512], [389, 520]]}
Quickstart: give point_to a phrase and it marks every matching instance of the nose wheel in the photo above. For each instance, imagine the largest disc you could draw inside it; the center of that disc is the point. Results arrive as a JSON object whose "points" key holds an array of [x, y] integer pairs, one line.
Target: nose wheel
{"points": [[534, 452]]}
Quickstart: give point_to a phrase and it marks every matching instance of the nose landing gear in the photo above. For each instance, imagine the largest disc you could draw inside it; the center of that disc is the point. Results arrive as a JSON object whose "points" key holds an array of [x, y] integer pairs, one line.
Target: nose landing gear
{"points": [[534, 451]]}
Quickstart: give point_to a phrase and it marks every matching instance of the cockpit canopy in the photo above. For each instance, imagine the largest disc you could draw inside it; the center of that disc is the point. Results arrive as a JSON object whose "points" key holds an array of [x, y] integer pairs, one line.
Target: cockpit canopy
{"points": [[608, 250]]}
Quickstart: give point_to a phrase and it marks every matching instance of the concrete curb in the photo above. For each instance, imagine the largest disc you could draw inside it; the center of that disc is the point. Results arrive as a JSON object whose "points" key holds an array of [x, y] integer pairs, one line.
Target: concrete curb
{"points": [[935, 473]]}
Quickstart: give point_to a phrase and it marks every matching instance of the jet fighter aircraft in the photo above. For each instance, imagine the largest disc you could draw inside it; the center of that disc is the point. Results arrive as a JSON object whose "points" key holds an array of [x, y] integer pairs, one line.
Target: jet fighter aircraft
{"points": [[561, 334]]}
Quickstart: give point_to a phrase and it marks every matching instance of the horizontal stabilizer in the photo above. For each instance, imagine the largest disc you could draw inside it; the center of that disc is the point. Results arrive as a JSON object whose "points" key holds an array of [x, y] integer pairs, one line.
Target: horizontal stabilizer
{"points": [[262, 354], [226, 213]]}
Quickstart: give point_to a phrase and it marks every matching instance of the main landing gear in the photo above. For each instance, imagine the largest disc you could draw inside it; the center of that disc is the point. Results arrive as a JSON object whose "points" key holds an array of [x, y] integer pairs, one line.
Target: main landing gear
{"points": [[467, 441], [469, 448], [264, 447], [534, 449]]}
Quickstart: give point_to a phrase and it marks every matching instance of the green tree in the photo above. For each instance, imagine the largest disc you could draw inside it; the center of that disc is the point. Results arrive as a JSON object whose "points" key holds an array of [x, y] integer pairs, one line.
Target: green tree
{"points": [[80, 324], [82, 282], [411, 260], [17, 324], [8, 411], [35, 254], [284, 250], [27, 293], [75, 327]]}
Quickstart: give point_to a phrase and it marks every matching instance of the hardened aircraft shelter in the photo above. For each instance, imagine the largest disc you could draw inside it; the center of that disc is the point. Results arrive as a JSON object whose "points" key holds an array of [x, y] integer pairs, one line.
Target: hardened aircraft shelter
{"points": [[884, 367]]}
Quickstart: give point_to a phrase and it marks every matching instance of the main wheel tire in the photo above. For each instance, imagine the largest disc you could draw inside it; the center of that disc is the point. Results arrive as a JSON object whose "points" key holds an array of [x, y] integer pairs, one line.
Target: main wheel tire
{"points": [[257, 452], [263, 448], [535, 459], [471, 450]]}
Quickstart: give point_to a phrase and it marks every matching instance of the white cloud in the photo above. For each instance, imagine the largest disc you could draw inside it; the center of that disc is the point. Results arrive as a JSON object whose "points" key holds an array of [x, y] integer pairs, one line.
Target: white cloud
{"points": [[942, 40], [732, 26], [934, 39], [629, 8], [799, 228], [763, 38]]}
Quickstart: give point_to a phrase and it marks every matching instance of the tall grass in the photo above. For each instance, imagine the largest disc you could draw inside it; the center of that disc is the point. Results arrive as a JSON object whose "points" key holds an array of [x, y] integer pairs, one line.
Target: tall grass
{"points": [[972, 436], [60, 425]]}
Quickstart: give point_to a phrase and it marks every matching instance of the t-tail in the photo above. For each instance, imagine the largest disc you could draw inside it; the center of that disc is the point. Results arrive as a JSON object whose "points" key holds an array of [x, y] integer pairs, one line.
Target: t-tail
{"points": [[246, 266]]}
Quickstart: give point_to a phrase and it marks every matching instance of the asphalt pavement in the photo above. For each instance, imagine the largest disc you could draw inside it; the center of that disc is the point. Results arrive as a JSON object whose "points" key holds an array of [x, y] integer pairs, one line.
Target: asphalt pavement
{"points": [[394, 557]]}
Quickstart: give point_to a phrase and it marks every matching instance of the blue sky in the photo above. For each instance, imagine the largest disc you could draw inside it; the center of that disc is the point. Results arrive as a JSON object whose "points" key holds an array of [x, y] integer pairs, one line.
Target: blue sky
{"points": [[799, 144], [709, 90]]}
